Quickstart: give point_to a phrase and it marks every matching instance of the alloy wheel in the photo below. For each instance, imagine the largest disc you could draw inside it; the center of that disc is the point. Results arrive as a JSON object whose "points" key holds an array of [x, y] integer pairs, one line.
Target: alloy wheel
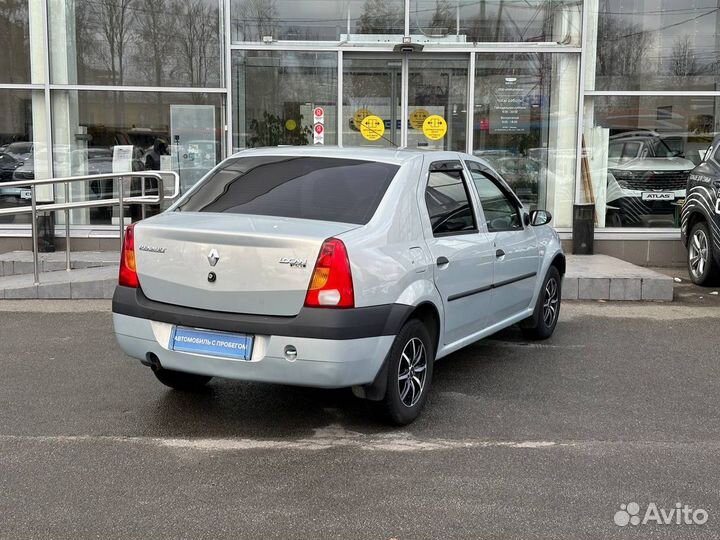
{"points": [[412, 371], [698, 253], [551, 302]]}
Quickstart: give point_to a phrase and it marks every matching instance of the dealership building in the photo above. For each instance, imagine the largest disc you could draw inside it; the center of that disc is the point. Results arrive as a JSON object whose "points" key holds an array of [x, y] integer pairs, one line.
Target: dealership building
{"points": [[605, 102]]}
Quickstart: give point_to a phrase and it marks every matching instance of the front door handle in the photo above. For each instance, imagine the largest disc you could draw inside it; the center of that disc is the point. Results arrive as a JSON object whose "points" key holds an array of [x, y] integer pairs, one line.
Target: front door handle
{"points": [[499, 253], [442, 261]]}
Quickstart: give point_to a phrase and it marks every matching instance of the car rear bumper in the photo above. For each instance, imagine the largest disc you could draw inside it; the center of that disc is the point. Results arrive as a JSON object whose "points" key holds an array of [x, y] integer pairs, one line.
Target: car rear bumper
{"points": [[324, 363], [323, 323], [335, 348]]}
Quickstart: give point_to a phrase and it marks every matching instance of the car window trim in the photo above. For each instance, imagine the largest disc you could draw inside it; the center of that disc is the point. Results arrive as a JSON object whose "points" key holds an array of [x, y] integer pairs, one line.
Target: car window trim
{"points": [[471, 202]]}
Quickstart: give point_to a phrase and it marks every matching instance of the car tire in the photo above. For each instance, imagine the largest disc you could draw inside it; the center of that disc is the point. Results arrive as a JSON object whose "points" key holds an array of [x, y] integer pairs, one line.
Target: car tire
{"points": [[409, 373], [547, 308], [180, 380], [702, 267]]}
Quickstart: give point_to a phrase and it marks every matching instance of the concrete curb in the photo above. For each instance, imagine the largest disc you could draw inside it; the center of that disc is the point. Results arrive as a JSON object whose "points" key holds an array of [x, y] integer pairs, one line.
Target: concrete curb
{"points": [[600, 277], [17, 263], [94, 283]]}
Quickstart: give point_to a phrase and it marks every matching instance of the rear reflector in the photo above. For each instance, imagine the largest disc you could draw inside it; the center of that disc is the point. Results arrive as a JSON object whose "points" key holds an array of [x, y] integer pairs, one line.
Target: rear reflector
{"points": [[128, 269], [331, 284]]}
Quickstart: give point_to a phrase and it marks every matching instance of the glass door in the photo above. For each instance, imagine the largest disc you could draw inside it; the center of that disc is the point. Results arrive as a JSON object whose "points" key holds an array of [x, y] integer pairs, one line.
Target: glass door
{"points": [[437, 102], [433, 101], [372, 98]]}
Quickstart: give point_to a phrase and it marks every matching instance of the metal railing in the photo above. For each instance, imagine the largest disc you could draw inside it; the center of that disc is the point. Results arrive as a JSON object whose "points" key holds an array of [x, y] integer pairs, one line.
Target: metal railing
{"points": [[120, 201]]}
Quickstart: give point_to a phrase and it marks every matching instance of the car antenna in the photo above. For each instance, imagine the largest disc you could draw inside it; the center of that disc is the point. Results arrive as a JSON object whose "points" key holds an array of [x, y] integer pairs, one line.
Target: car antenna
{"points": [[383, 137]]}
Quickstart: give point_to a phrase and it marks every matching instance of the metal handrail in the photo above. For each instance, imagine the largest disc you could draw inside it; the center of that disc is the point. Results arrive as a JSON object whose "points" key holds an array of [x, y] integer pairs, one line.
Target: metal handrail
{"points": [[120, 201]]}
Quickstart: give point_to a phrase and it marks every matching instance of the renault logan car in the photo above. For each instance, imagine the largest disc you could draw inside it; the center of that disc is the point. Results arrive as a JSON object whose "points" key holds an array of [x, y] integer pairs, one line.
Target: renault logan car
{"points": [[335, 268]]}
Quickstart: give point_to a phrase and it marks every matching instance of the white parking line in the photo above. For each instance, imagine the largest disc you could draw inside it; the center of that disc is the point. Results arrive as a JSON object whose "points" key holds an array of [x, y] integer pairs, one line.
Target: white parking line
{"points": [[333, 436], [336, 436]]}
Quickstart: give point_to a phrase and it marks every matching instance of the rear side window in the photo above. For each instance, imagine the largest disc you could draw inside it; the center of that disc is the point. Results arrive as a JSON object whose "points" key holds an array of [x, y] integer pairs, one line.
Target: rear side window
{"points": [[327, 189], [447, 200]]}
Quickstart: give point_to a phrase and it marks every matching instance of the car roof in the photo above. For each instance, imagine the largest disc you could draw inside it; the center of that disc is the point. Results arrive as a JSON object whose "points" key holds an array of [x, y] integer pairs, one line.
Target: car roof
{"points": [[387, 155]]}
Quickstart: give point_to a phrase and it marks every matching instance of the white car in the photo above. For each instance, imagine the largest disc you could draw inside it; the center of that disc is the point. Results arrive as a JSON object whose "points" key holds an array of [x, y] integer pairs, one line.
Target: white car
{"points": [[646, 178], [333, 267]]}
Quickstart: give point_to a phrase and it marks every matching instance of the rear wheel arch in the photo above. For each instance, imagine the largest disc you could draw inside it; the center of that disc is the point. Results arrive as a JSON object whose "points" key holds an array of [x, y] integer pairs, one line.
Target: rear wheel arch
{"points": [[428, 314], [695, 217]]}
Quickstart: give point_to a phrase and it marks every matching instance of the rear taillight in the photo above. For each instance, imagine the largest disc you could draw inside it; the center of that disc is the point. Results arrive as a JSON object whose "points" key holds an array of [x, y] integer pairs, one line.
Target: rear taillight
{"points": [[331, 284], [128, 269]]}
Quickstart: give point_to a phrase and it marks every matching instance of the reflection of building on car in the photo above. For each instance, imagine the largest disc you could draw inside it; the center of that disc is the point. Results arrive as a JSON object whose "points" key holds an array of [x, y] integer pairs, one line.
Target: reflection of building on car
{"points": [[646, 181], [700, 226]]}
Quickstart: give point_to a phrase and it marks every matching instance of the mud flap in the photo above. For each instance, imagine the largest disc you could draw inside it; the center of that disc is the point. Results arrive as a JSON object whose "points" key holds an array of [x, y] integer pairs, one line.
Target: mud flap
{"points": [[375, 391]]}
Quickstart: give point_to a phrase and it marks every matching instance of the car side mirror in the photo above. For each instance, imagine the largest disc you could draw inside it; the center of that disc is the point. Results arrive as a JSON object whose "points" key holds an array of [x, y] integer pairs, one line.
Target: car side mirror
{"points": [[540, 217]]}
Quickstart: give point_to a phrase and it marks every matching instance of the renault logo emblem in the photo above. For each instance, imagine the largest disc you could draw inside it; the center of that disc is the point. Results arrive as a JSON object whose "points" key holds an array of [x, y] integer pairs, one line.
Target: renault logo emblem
{"points": [[213, 257]]}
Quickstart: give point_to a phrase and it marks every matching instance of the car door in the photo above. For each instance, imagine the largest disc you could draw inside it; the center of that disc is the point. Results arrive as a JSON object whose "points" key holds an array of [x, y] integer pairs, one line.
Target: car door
{"points": [[463, 253], [514, 243]]}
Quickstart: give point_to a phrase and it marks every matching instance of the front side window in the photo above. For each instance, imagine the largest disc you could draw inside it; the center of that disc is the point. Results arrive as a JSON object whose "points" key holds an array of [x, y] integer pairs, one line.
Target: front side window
{"points": [[325, 189], [501, 212], [448, 201]]}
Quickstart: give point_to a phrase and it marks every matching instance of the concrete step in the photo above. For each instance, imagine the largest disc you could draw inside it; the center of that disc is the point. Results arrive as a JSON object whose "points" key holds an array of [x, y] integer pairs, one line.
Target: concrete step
{"points": [[600, 277], [21, 262], [98, 282]]}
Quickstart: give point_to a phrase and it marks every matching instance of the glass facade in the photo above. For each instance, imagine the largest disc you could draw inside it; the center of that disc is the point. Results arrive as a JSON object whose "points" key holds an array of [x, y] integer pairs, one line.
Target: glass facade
{"points": [[174, 131], [650, 107], [657, 44], [15, 41], [293, 84], [496, 21], [525, 124], [316, 20], [181, 84], [23, 147], [638, 146], [123, 42]]}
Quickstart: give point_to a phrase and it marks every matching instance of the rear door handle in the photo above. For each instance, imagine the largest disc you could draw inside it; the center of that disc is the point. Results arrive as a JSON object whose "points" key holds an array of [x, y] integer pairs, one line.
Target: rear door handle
{"points": [[442, 261], [499, 253]]}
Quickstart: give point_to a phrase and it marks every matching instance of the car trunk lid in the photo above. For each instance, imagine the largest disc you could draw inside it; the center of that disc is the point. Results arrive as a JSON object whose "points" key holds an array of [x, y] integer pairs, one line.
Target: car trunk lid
{"points": [[262, 265]]}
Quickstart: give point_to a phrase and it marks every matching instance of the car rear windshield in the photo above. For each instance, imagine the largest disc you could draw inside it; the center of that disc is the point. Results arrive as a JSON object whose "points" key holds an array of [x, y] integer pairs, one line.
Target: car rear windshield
{"points": [[327, 189]]}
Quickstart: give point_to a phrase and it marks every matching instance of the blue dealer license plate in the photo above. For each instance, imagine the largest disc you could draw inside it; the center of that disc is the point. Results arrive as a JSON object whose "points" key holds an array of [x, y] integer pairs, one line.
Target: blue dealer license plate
{"points": [[191, 340]]}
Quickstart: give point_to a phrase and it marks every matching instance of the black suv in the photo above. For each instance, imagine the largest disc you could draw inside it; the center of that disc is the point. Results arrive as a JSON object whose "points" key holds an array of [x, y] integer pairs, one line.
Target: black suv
{"points": [[700, 221]]}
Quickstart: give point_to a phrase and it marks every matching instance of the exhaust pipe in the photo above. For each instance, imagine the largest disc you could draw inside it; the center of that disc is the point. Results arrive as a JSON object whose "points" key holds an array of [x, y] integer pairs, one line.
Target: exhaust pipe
{"points": [[151, 360]]}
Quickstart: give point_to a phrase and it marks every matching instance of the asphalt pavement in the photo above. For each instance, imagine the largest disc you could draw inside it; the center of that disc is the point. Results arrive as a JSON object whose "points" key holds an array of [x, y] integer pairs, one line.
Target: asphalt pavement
{"points": [[518, 440]]}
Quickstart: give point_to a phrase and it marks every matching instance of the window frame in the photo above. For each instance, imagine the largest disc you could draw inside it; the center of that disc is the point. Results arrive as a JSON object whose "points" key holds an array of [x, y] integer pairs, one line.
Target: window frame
{"points": [[497, 181], [468, 193]]}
